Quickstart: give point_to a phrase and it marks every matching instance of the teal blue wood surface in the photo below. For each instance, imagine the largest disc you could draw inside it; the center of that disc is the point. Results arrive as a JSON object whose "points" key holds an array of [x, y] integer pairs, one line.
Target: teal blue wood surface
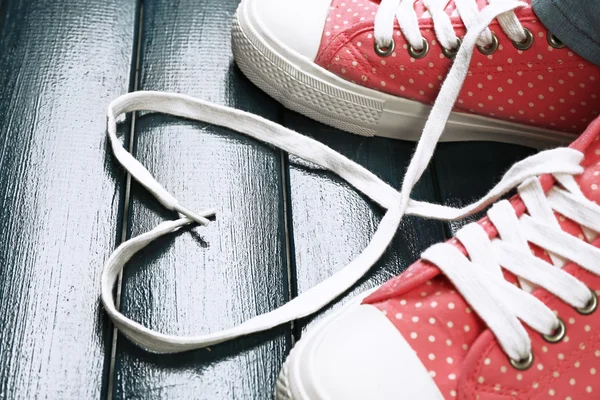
{"points": [[466, 171], [61, 63]]}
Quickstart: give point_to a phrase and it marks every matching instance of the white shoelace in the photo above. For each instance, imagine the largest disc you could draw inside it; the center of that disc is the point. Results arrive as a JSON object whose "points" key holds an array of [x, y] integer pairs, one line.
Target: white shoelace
{"points": [[562, 162], [404, 12], [480, 281]]}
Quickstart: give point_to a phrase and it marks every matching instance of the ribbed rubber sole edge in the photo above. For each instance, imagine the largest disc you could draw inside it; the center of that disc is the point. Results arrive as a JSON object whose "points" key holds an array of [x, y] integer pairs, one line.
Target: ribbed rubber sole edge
{"points": [[282, 391], [301, 92]]}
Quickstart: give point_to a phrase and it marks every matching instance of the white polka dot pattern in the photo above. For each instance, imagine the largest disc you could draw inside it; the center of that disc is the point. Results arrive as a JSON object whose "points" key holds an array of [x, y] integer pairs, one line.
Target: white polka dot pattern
{"points": [[442, 344], [541, 86]]}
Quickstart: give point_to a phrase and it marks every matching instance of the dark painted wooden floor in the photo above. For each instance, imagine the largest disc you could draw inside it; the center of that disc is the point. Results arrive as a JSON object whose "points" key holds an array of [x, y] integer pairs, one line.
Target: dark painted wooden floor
{"points": [[65, 205]]}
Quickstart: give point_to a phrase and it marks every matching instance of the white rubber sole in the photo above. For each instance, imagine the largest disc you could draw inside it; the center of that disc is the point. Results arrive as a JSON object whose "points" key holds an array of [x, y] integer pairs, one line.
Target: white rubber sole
{"points": [[303, 86]]}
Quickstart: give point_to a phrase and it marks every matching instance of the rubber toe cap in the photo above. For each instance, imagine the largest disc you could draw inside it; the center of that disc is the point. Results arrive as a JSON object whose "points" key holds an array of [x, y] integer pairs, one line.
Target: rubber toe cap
{"points": [[359, 355]]}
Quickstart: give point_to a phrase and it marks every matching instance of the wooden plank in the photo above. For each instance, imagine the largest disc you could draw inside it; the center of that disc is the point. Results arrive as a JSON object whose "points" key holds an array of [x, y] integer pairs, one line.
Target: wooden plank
{"points": [[332, 223], [466, 171], [214, 277], [62, 63]]}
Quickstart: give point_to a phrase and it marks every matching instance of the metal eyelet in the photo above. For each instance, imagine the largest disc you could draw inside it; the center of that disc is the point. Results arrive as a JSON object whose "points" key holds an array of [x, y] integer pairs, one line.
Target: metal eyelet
{"points": [[554, 41], [523, 364], [558, 334], [491, 48], [385, 51], [419, 53], [525, 44], [451, 53], [591, 306]]}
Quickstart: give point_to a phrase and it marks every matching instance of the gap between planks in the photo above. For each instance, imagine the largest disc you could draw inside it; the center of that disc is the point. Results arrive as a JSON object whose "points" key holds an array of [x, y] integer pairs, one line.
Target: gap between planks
{"points": [[126, 197]]}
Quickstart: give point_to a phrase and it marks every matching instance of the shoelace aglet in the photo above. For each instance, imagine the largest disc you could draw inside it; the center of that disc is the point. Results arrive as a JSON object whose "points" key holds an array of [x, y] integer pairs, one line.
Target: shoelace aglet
{"points": [[201, 218]]}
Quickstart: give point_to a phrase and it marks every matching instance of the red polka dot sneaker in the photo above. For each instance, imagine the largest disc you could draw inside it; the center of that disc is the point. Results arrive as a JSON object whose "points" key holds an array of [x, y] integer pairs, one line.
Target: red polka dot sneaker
{"points": [[505, 310], [374, 67]]}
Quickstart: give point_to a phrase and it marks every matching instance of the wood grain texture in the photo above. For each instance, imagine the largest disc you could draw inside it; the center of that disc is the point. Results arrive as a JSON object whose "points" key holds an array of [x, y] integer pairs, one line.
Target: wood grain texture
{"points": [[61, 63], [332, 223], [204, 279], [466, 171]]}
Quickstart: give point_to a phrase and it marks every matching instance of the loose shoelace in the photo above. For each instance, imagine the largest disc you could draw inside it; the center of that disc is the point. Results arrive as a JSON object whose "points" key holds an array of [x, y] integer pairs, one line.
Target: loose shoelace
{"points": [[404, 12], [561, 162]]}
